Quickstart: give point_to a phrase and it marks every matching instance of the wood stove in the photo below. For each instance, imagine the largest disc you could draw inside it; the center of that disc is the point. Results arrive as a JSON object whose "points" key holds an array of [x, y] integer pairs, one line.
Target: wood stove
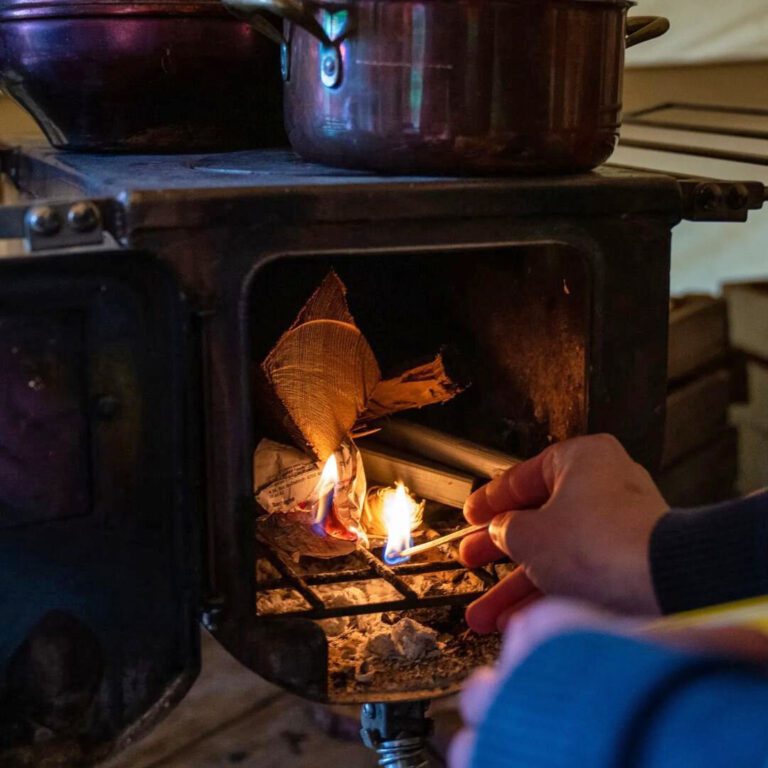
{"points": [[137, 294]]}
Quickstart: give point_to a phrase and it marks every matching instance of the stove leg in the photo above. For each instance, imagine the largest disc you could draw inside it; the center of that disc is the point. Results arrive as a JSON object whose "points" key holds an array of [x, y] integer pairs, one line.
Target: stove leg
{"points": [[398, 732]]}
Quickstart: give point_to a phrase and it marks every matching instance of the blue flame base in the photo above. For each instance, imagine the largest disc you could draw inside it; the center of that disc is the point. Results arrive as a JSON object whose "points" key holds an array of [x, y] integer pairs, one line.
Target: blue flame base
{"points": [[393, 558]]}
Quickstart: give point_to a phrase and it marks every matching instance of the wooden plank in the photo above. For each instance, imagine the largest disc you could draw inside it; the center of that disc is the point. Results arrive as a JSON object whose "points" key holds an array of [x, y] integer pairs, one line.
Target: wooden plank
{"points": [[425, 479], [696, 413], [452, 451], [748, 316], [706, 476], [757, 382], [675, 137], [698, 335], [680, 116], [753, 451], [282, 735], [224, 692], [687, 165]]}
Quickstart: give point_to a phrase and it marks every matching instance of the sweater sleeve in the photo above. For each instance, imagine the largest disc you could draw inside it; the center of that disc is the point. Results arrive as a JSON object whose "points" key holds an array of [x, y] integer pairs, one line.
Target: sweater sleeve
{"points": [[605, 701], [711, 555]]}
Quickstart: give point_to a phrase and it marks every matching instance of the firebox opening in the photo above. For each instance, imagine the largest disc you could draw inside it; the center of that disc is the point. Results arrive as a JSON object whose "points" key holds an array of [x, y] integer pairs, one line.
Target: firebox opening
{"points": [[515, 322]]}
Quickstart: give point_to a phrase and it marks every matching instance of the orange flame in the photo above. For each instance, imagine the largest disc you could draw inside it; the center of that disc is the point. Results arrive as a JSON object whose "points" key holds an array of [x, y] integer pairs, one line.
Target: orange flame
{"points": [[325, 489], [399, 510]]}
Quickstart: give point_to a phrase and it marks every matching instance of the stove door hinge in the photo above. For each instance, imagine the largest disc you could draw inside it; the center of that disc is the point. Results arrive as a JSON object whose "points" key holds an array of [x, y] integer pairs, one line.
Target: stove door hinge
{"points": [[45, 226], [714, 200]]}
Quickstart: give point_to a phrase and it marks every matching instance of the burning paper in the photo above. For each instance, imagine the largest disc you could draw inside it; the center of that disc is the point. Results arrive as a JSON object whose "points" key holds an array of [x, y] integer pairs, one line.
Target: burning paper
{"points": [[314, 508], [374, 515], [322, 378]]}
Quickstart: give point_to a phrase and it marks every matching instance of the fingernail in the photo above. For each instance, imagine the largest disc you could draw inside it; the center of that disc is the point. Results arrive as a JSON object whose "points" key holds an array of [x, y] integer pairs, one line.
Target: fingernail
{"points": [[497, 529]]}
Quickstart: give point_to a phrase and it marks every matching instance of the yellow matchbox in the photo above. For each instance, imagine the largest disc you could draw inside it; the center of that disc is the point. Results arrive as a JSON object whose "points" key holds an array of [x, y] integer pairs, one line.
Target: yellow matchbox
{"points": [[752, 613]]}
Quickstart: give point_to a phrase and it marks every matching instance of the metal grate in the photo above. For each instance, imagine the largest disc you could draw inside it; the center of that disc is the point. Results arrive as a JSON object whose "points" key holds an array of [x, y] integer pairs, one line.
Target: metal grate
{"points": [[371, 567]]}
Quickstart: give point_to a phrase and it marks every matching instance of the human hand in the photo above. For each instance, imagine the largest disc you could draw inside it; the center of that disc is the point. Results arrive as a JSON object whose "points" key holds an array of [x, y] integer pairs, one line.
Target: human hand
{"points": [[578, 519], [537, 624]]}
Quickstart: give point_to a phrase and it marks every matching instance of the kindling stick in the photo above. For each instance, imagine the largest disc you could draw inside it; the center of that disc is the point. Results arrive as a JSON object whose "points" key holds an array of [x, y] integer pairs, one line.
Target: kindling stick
{"points": [[427, 545]]}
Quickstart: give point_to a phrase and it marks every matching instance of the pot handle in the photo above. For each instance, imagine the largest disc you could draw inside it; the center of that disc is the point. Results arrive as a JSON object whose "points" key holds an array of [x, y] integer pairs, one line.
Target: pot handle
{"points": [[296, 11], [640, 29]]}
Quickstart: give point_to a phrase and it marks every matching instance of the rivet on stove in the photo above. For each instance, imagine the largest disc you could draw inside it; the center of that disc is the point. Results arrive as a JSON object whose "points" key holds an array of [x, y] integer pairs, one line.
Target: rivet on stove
{"points": [[83, 217], [737, 198], [709, 197], [44, 220], [330, 66]]}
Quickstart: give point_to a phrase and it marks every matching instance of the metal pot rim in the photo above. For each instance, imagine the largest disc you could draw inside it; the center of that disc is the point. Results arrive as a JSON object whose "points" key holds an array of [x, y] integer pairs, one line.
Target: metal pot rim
{"points": [[21, 10], [609, 3]]}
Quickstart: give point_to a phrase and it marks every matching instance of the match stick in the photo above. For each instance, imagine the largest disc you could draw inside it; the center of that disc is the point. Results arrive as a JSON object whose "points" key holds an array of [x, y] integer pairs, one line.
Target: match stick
{"points": [[427, 545]]}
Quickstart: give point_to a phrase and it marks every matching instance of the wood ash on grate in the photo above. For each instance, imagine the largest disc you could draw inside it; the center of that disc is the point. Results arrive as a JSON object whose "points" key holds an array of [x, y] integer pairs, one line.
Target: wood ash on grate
{"points": [[421, 649]]}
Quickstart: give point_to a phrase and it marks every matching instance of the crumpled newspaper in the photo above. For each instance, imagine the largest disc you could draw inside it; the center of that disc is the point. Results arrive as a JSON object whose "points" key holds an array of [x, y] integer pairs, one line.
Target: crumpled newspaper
{"points": [[287, 485]]}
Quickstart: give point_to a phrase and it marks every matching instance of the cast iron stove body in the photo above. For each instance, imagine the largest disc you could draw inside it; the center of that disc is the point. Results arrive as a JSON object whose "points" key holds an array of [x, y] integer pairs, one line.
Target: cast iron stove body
{"points": [[136, 296]]}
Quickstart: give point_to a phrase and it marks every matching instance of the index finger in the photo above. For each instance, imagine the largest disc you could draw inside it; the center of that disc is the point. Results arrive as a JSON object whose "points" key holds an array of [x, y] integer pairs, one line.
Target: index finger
{"points": [[524, 486]]}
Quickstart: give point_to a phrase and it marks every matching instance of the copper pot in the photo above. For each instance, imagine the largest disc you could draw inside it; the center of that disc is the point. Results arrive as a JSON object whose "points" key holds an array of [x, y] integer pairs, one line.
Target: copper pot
{"points": [[159, 76], [455, 86]]}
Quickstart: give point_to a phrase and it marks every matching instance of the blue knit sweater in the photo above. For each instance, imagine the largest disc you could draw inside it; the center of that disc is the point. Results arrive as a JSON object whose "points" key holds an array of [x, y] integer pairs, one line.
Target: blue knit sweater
{"points": [[601, 701]]}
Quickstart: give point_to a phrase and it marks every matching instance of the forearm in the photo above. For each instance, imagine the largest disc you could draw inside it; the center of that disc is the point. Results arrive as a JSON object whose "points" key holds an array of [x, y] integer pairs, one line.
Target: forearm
{"points": [[602, 701], [711, 555], [716, 720]]}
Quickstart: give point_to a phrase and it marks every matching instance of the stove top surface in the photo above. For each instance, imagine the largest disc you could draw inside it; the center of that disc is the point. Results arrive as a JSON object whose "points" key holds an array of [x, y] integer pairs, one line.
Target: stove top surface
{"points": [[260, 169], [275, 184]]}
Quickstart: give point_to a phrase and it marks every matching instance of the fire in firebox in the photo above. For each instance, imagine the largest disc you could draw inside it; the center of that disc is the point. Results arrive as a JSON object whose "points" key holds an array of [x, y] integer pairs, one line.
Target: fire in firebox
{"points": [[400, 510]]}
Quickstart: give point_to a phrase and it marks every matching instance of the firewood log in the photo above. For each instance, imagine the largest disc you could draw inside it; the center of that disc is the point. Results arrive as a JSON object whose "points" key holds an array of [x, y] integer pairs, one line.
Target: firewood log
{"points": [[452, 451]]}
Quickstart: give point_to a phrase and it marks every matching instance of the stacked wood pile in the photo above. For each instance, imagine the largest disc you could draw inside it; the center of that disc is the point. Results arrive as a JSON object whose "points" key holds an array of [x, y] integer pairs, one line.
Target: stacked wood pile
{"points": [[700, 463], [748, 319]]}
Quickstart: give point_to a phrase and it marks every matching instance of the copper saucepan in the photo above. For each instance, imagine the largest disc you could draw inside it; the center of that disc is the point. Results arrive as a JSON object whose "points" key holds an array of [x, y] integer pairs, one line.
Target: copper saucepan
{"points": [[454, 86], [141, 75]]}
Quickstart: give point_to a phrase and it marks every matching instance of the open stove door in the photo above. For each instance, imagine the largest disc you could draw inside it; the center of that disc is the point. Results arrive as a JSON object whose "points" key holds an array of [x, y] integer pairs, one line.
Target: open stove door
{"points": [[98, 551]]}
